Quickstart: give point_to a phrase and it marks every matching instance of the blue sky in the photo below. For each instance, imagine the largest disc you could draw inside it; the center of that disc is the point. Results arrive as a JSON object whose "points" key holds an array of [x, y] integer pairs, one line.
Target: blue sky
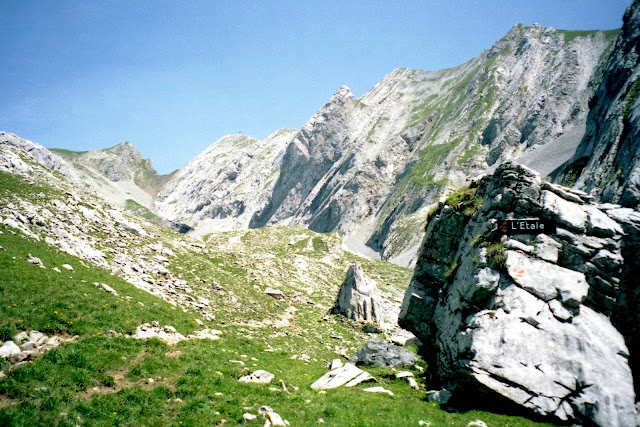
{"points": [[172, 77]]}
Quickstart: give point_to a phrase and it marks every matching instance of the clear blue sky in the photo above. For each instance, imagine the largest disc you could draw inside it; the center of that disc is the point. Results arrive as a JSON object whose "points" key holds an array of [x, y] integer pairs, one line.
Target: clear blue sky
{"points": [[172, 77]]}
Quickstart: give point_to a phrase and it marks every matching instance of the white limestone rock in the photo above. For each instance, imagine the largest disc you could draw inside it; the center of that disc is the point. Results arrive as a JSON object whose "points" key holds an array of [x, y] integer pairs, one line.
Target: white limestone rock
{"points": [[378, 389], [348, 375], [8, 349], [534, 336], [358, 298], [260, 376], [547, 281], [563, 211]]}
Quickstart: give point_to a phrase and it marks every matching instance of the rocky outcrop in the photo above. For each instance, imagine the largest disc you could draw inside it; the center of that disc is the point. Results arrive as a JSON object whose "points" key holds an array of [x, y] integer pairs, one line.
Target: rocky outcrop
{"points": [[359, 297], [308, 157], [607, 162], [550, 96], [40, 154], [27, 346], [625, 319], [526, 317]]}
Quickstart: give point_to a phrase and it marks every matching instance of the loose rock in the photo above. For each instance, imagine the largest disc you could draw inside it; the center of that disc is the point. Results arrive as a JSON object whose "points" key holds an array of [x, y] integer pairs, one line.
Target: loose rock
{"points": [[378, 390], [259, 376], [348, 375], [381, 353]]}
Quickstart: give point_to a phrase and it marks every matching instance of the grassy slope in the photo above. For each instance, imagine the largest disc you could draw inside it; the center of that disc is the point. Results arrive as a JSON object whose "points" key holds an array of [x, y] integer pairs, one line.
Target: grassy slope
{"points": [[98, 380]]}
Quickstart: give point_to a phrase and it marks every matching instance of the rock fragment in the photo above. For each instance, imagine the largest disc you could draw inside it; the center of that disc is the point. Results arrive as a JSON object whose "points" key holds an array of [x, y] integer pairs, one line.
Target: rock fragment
{"points": [[381, 353], [8, 349], [260, 376], [378, 390], [348, 375]]}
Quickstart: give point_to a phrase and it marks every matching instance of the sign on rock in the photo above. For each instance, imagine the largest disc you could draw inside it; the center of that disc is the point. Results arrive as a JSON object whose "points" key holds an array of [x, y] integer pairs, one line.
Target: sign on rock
{"points": [[527, 226]]}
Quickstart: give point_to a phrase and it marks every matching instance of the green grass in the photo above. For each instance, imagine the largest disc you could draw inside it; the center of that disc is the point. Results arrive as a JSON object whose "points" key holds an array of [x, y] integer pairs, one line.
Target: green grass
{"points": [[96, 380], [469, 154], [138, 209], [631, 97], [11, 184], [68, 302], [496, 256], [571, 35], [67, 153], [464, 200]]}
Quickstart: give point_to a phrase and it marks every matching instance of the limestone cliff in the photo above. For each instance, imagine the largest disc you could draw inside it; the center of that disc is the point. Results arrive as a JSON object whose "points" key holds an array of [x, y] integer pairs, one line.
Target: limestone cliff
{"points": [[607, 162], [226, 184], [534, 319]]}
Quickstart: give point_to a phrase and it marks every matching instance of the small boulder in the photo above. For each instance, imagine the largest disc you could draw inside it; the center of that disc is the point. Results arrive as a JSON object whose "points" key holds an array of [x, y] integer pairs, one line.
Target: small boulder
{"points": [[275, 293], [441, 396], [249, 417], [22, 336], [413, 383], [259, 376], [35, 260], [272, 417], [348, 375], [381, 353]]}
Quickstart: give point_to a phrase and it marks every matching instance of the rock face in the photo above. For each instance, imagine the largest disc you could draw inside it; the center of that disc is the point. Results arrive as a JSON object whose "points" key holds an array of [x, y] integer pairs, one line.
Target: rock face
{"points": [[607, 162], [369, 168], [358, 298], [39, 153], [223, 187], [524, 316]]}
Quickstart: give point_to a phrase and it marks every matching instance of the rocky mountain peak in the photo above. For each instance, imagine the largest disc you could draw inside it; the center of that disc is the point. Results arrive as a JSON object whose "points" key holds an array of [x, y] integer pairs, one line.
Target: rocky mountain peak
{"points": [[126, 153], [342, 93], [221, 188]]}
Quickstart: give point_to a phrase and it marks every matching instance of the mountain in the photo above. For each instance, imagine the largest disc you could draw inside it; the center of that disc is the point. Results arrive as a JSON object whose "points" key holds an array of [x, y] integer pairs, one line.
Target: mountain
{"points": [[118, 173], [109, 317], [607, 162], [221, 188], [370, 168]]}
